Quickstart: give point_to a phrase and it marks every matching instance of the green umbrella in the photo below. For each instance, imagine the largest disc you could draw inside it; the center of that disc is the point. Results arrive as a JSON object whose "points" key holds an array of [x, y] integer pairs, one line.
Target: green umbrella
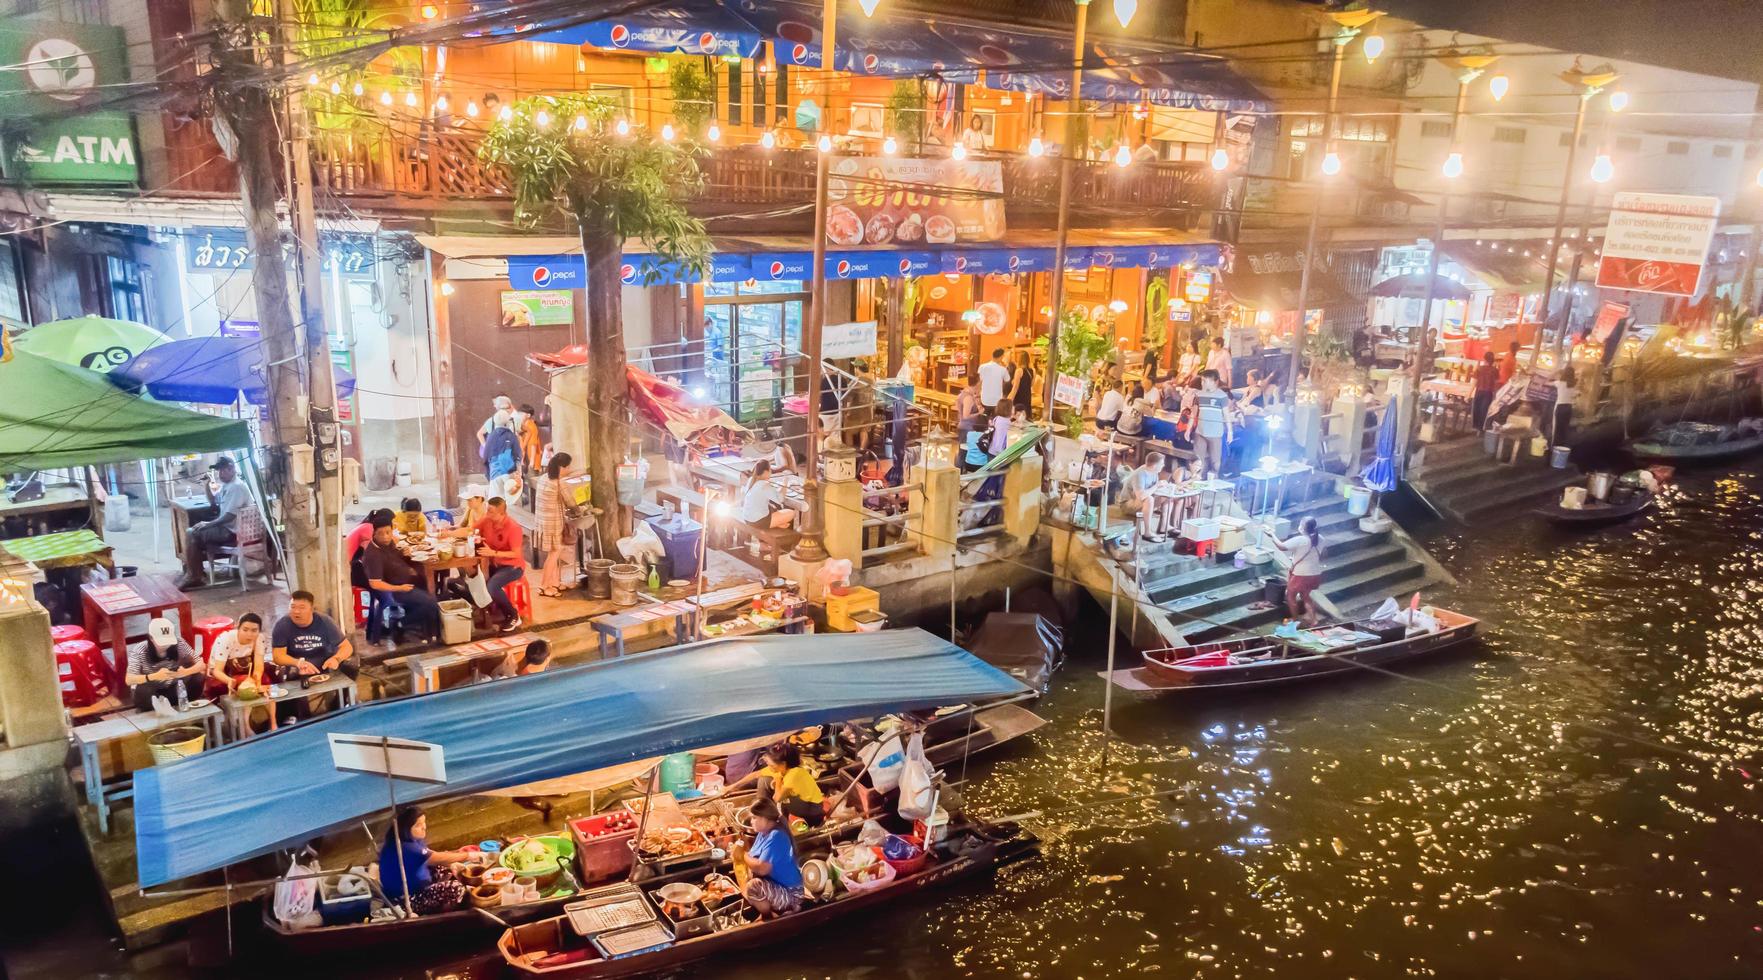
{"points": [[93, 342]]}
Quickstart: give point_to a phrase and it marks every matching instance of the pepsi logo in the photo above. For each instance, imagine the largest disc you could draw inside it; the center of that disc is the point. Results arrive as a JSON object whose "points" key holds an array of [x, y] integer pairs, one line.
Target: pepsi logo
{"points": [[870, 62], [905, 266], [621, 35], [1015, 262], [707, 42], [960, 263], [627, 273], [541, 276], [799, 53], [843, 268], [777, 270]]}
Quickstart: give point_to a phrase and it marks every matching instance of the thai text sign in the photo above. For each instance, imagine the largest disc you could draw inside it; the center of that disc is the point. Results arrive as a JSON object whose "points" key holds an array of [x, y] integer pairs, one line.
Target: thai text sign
{"points": [[1069, 390], [537, 307], [938, 201], [1657, 243], [848, 340], [53, 67]]}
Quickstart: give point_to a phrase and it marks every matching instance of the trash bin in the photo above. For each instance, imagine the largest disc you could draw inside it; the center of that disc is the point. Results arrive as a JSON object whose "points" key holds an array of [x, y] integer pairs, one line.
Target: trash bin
{"points": [[679, 540], [455, 621], [1358, 501], [1559, 455], [1273, 590]]}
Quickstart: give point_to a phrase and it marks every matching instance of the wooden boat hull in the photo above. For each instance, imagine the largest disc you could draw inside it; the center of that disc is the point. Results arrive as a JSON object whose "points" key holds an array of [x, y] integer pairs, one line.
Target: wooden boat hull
{"points": [[448, 929], [1693, 453], [1596, 514], [985, 857], [1454, 631]]}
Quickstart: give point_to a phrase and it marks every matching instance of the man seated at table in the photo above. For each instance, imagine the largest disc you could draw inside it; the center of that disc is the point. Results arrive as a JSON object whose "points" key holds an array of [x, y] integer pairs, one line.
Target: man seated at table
{"points": [[230, 498], [159, 664], [306, 642], [502, 544], [399, 583]]}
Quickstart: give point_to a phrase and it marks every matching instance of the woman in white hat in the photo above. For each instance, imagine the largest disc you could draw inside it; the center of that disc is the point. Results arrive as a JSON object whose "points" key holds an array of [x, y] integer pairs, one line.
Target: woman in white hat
{"points": [[473, 505], [158, 664]]}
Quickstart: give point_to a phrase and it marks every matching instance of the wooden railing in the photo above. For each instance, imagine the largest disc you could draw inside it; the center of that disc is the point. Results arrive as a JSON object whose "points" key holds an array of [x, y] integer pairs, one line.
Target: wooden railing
{"points": [[1099, 183]]}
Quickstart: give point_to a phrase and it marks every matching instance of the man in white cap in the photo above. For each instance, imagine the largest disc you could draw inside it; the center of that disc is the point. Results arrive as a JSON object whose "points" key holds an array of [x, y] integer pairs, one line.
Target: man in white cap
{"points": [[158, 664], [501, 414]]}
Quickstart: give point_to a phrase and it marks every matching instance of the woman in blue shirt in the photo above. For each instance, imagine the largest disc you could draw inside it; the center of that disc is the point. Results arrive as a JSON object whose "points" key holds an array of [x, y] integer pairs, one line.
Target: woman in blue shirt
{"points": [[432, 889], [776, 885]]}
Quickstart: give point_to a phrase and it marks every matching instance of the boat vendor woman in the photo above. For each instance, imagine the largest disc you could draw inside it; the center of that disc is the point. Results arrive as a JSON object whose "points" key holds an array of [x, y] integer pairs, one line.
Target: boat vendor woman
{"points": [[424, 873], [783, 781], [1306, 574], [775, 887]]}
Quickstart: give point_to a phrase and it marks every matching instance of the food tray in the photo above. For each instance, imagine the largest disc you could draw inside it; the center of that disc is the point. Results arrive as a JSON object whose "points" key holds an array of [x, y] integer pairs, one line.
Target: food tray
{"points": [[700, 852], [608, 912], [633, 940]]}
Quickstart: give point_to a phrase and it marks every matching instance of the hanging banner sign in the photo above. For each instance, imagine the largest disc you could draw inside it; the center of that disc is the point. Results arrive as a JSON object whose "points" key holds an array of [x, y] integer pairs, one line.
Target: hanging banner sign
{"points": [[537, 308], [1069, 391], [51, 67], [1658, 243], [879, 265], [848, 340], [928, 201], [1609, 315], [1198, 288]]}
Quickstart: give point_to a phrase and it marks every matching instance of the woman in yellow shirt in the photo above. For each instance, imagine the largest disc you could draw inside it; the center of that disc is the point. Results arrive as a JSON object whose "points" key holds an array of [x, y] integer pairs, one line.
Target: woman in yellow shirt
{"points": [[785, 782], [410, 518]]}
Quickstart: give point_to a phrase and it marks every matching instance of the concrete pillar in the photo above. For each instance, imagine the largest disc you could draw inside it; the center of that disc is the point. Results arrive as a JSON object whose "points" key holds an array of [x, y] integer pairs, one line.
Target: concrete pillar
{"points": [[1022, 497], [30, 692], [843, 536], [1347, 427], [1307, 428], [935, 507]]}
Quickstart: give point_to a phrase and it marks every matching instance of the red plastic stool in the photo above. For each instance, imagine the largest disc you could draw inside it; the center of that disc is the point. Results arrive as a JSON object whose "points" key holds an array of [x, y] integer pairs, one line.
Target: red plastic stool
{"points": [[521, 595], [207, 631], [1205, 549], [81, 672], [363, 603], [66, 634]]}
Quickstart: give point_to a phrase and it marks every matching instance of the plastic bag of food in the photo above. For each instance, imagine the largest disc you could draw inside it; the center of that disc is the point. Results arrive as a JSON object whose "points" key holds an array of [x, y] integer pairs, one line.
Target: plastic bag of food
{"points": [[296, 893], [884, 759], [871, 834], [918, 781]]}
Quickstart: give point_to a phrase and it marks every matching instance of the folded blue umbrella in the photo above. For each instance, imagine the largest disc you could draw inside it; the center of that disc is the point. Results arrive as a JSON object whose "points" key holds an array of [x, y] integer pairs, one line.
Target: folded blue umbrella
{"points": [[206, 370], [1381, 475]]}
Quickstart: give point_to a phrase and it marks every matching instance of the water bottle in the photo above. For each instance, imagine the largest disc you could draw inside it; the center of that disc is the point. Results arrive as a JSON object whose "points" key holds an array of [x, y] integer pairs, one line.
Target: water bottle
{"points": [[183, 696]]}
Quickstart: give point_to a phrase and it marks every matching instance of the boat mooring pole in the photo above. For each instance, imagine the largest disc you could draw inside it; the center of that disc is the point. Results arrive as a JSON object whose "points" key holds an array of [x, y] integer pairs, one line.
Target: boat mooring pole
{"points": [[1113, 606], [397, 836]]}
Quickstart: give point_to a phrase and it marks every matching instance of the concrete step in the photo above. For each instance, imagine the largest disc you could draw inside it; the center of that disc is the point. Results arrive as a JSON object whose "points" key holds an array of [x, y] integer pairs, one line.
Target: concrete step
{"points": [[1225, 595], [1375, 583], [1443, 454], [1512, 497], [1468, 479]]}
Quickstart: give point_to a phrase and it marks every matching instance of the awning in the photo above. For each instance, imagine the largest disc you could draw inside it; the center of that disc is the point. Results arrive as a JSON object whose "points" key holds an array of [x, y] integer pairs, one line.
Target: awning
{"points": [[684, 27], [56, 415], [1503, 271], [275, 791], [1414, 286], [1279, 290]]}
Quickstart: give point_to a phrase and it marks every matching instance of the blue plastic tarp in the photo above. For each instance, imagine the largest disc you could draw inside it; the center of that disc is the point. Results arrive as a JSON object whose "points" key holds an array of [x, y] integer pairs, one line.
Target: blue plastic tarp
{"points": [[206, 371], [277, 790]]}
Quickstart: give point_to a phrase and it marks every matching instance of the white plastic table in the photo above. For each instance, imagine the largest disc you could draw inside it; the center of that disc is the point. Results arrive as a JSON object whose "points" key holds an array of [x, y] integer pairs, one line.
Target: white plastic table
{"points": [[93, 737]]}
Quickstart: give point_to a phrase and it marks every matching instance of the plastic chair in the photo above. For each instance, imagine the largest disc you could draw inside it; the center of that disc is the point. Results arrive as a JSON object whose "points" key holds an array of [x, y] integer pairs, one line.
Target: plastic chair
{"points": [[521, 594], [80, 672], [66, 633], [250, 543], [363, 604], [208, 631]]}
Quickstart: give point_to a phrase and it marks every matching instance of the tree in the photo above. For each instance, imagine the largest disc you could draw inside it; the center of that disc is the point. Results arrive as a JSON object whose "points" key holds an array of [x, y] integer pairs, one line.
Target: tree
{"points": [[565, 156]]}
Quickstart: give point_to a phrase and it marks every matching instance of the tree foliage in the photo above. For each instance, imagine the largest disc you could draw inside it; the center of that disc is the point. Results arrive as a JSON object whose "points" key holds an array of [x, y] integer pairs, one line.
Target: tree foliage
{"points": [[565, 158], [693, 95]]}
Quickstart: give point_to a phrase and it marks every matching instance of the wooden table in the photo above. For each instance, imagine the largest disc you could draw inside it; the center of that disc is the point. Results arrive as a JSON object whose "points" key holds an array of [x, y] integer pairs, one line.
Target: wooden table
{"points": [[93, 737], [431, 570], [187, 511], [238, 713], [684, 613], [729, 471], [425, 668], [110, 604], [61, 497]]}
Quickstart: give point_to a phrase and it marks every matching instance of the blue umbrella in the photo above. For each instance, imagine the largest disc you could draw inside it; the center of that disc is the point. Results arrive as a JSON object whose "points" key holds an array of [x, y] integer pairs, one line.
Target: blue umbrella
{"points": [[206, 370], [1381, 477]]}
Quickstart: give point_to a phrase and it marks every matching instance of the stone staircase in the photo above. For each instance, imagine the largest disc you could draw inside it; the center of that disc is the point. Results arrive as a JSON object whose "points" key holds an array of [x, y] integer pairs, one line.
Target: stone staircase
{"points": [[1206, 600], [1466, 485]]}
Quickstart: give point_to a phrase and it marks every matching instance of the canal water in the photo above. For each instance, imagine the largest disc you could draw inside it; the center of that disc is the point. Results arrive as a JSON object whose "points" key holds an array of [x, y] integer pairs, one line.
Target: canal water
{"points": [[1575, 796]]}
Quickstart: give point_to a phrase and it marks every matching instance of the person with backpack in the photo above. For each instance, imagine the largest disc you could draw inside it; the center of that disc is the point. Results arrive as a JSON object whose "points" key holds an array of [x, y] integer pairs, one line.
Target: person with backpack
{"points": [[1305, 575], [501, 455]]}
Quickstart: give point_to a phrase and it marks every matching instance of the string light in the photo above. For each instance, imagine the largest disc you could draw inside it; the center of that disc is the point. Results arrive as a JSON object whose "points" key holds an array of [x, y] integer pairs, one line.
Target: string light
{"points": [[1124, 11], [471, 108], [1037, 148], [714, 133], [1331, 164], [410, 99], [1603, 169], [958, 152], [1618, 101], [1454, 166], [1373, 47], [1498, 86], [825, 144], [869, 6], [312, 79], [506, 114], [1220, 159], [622, 127], [446, 289], [581, 122], [890, 146], [430, 11], [667, 133], [358, 88], [385, 98], [768, 139], [336, 89], [441, 103], [1122, 156], [541, 119]]}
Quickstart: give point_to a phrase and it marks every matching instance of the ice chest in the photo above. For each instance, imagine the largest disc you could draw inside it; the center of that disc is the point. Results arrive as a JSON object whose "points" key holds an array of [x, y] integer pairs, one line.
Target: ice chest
{"points": [[1200, 529], [840, 607], [1231, 534]]}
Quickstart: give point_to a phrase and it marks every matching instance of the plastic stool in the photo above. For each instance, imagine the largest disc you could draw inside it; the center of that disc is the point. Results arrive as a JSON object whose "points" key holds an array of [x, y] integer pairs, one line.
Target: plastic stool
{"points": [[363, 604], [521, 594], [81, 673], [207, 631], [66, 634], [1205, 549]]}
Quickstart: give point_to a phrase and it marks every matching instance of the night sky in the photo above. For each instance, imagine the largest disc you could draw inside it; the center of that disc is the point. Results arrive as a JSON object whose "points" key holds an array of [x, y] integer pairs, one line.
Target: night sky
{"points": [[1715, 37]]}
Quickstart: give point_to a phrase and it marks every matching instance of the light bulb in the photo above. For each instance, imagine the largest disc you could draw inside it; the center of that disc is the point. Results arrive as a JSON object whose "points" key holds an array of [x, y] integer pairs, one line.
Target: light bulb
{"points": [[358, 88], [430, 11], [667, 133], [441, 103], [1331, 164], [1117, 305], [581, 122], [714, 133], [622, 127], [385, 98], [541, 119], [312, 79], [890, 146], [958, 152], [1760, 178], [1037, 148], [721, 508], [1498, 86], [768, 140], [1603, 169], [1373, 47], [471, 108], [1124, 11], [1618, 101], [1122, 156], [824, 144], [410, 99], [1220, 159], [336, 89], [1454, 166], [506, 114], [869, 6], [446, 289]]}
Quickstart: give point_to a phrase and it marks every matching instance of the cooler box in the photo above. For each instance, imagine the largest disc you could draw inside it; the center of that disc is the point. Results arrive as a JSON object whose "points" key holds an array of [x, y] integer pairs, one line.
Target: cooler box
{"points": [[840, 607], [679, 540], [602, 848], [1200, 529], [1231, 534]]}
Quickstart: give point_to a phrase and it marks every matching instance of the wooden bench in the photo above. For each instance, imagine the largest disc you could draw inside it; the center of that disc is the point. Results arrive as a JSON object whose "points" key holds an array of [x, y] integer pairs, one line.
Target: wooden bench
{"points": [[773, 541], [684, 499]]}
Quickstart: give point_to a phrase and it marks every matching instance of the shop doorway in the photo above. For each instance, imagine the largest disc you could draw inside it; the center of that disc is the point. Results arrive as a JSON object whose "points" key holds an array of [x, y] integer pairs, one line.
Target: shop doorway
{"points": [[752, 339]]}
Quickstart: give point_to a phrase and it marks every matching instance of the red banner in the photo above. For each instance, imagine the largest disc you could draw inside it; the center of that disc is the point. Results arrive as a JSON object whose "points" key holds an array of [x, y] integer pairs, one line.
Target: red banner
{"points": [[927, 201]]}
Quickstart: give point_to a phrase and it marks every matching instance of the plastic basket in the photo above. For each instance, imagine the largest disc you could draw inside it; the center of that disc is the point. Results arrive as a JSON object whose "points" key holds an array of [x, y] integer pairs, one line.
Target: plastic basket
{"points": [[883, 879], [175, 743], [605, 855]]}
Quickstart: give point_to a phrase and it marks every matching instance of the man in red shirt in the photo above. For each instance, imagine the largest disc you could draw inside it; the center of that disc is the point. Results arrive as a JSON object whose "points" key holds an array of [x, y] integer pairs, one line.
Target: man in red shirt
{"points": [[502, 544], [1509, 366], [1487, 382]]}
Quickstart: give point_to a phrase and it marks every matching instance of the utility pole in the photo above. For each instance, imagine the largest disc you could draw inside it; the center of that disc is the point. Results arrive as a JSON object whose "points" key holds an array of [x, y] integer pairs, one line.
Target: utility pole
{"points": [[1073, 132], [245, 114]]}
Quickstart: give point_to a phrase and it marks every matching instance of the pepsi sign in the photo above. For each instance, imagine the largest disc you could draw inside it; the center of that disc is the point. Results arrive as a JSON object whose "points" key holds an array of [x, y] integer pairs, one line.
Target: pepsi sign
{"points": [[620, 36], [545, 272]]}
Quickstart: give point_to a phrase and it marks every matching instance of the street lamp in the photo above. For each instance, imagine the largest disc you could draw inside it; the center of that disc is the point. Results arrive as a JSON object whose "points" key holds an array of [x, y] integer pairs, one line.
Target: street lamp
{"points": [[1453, 167], [1589, 83], [1498, 86], [1603, 169]]}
